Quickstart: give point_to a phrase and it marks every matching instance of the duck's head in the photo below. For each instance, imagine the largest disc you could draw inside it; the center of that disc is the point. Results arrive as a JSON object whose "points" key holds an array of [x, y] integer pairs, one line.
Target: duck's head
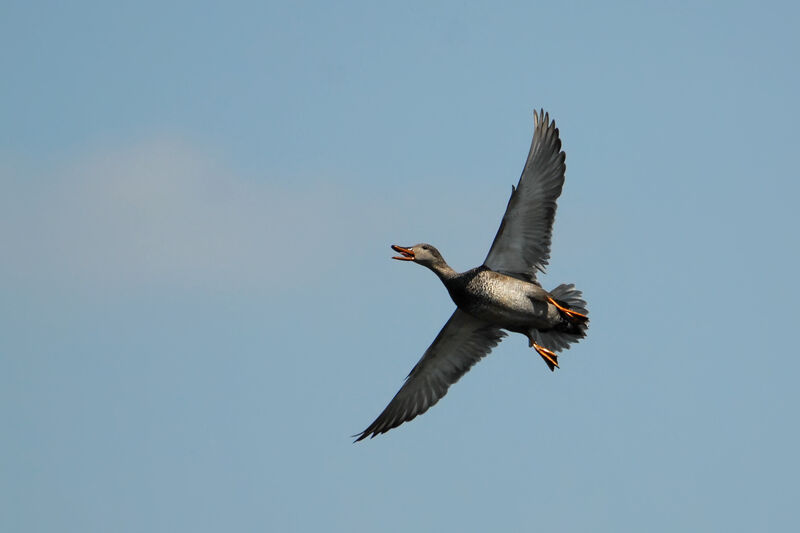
{"points": [[424, 254]]}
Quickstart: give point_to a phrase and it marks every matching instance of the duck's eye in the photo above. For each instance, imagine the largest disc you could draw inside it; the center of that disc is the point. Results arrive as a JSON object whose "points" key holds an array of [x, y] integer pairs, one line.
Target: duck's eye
{"points": [[426, 247]]}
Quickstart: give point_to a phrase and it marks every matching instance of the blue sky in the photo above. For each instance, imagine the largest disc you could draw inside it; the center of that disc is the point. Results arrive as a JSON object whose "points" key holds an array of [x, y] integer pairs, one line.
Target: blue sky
{"points": [[197, 305]]}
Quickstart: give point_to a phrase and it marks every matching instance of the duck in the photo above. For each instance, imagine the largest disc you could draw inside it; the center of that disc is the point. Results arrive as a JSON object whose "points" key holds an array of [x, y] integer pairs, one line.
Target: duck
{"points": [[501, 295]]}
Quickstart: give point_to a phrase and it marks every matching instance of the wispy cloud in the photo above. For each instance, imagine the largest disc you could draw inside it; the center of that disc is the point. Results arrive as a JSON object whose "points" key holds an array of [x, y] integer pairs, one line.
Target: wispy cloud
{"points": [[163, 211]]}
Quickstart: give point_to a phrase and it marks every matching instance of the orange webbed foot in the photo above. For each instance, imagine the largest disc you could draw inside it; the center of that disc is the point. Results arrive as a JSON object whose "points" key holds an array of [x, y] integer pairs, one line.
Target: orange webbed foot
{"points": [[549, 356], [569, 312]]}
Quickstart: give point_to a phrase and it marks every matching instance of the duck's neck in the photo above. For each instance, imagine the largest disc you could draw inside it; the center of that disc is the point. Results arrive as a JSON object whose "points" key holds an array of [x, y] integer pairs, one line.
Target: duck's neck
{"points": [[444, 271]]}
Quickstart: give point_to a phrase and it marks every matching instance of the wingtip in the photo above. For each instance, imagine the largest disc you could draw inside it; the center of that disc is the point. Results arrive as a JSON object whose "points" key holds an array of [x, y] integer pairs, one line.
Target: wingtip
{"points": [[542, 117], [369, 432]]}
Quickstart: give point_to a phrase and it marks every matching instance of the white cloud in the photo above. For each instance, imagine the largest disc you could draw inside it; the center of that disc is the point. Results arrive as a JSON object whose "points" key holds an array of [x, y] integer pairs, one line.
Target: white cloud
{"points": [[163, 212]]}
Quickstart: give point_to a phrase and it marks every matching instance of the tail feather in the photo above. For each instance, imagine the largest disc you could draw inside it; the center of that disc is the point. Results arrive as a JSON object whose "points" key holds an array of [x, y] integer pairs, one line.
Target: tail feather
{"points": [[572, 297], [575, 327]]}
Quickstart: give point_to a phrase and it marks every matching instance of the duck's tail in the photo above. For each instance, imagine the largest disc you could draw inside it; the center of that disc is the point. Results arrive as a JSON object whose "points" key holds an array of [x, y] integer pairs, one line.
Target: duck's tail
{"points": [[573, 309], [570, 304]]}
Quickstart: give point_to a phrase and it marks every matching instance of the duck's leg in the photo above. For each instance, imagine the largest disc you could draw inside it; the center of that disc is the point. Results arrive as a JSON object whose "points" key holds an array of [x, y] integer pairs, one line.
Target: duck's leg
{"points": [[569, 312], [549, 356]]}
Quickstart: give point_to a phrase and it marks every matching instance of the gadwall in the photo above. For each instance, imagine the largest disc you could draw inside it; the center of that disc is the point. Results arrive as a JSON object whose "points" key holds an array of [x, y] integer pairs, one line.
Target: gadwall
{"points": [[501, 294]]}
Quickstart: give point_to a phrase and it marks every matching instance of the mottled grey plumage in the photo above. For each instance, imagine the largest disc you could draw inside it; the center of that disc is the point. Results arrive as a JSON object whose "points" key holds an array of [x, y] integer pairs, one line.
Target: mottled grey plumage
{"points": [[502, 294]]}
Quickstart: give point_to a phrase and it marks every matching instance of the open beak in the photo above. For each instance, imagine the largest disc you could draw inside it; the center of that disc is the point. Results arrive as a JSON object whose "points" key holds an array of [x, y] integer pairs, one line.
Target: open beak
{"points": [[406, 254]]}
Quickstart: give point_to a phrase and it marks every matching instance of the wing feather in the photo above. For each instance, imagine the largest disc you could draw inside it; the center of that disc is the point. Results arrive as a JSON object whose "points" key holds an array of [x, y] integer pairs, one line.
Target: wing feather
{"points": [[463, 341], [522, 244]]}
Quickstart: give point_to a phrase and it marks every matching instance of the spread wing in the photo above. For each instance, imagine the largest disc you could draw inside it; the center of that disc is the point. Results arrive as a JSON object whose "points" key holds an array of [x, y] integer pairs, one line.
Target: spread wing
{"points": [[522, 244], [463, 341]]}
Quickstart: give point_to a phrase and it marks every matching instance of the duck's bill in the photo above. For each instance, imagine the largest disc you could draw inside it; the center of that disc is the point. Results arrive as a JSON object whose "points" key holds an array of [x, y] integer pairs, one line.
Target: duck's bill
{"points": [[406, 254]]}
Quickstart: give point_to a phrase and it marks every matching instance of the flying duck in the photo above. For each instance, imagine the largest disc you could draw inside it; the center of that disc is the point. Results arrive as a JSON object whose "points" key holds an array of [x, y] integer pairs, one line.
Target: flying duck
{"points": [[502, 294]]}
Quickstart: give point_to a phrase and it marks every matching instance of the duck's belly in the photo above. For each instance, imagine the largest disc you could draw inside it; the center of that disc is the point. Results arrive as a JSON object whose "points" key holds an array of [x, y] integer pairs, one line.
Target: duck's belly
{"points": [[512, 313], [511, 304]]}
